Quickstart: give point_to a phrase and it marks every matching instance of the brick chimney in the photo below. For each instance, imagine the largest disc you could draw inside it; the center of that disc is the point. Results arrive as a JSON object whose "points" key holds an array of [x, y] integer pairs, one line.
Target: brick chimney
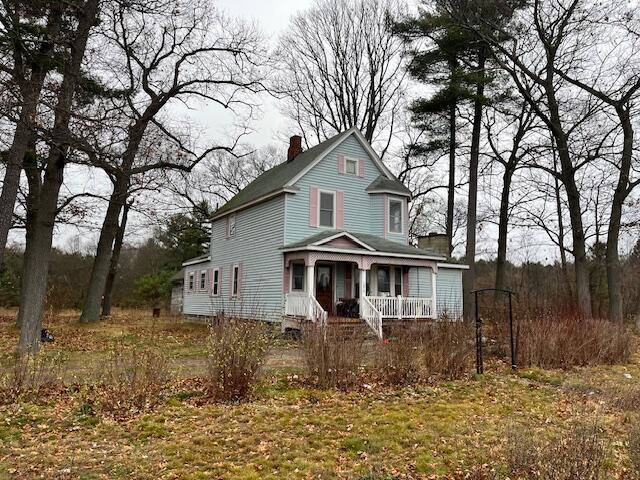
{"points": [[295, 147], [438, 242]]}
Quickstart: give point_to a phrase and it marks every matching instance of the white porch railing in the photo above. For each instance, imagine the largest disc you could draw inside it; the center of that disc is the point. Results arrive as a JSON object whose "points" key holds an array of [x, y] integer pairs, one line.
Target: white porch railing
{"points": [[303, 305], [372, 316], [403, 307]]}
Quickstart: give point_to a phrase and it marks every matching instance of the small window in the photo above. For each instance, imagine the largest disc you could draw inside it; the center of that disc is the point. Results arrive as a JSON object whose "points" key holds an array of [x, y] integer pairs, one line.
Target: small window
{"points": [[232, 225], [384, 283], [351, 166], [326, 209], [236, 280], [215, 286], [191, 282], [203, 280], [398, 281], [297, 277], [395, 216]]}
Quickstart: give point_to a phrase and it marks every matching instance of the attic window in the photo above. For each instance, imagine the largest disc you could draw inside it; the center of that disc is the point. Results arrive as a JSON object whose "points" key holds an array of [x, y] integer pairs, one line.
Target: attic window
{"points": [[232, 225], [351, 166]]}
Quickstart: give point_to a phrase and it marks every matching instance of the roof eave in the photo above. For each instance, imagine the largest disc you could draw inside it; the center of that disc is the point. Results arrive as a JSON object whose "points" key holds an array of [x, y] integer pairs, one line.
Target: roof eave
{"points": [[263, 198]]}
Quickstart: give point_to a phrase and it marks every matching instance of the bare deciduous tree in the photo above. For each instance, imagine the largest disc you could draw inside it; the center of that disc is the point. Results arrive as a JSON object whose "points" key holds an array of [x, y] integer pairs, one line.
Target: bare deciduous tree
{"points": [[341, 67]]}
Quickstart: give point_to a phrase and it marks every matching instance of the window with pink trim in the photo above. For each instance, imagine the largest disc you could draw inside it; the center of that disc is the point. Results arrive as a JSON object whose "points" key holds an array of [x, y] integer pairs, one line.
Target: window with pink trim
{"points": [[215, 282]]}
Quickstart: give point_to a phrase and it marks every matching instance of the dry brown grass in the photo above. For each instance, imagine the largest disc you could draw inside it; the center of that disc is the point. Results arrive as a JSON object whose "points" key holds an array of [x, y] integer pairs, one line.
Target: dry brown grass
{"points": [[578, 454], [568, 341], [236, 351]]}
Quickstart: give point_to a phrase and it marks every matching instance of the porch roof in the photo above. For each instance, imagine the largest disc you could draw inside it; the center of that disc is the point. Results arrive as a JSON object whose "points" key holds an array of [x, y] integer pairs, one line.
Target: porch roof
{"points": [[363, 243]]}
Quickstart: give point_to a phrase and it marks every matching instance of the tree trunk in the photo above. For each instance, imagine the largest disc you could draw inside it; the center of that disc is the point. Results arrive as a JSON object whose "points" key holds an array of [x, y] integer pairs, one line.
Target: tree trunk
{"points": [[451, 193], [115, 259], [614, 270], [469, 276], [24, 137], [573, 197], [102, 260], [503, 224], [42, 199]]}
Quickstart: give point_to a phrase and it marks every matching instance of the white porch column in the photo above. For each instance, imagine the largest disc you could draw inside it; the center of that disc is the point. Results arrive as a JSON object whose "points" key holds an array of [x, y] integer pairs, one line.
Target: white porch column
{"points": [[363, 283], [434, 298], [310, 278]]}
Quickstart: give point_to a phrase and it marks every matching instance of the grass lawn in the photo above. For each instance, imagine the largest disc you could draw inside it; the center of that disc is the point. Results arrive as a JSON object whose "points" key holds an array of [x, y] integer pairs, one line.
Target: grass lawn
{"points": [[289, 430]]}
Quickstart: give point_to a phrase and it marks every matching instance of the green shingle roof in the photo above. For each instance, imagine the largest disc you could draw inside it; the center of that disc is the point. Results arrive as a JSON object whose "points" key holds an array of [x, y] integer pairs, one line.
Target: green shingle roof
{"points": [[277, 177], [379, 244], [390, 184]]}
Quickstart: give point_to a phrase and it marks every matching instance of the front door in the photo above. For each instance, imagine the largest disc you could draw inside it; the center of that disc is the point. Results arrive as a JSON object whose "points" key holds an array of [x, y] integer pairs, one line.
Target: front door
{"points": [[324, 287]]}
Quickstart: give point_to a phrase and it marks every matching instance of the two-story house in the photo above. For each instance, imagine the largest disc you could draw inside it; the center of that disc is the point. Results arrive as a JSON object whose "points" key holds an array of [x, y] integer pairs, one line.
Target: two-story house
{"points": [[326, 228]]}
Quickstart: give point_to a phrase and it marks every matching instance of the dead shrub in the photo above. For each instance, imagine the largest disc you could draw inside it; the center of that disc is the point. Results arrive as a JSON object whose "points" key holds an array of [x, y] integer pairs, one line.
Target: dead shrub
{"points": [[133, 381], [397, 358], [236, 351], [28, 376], [334, 356], [578, 454], [563, 342], [447, 349]]}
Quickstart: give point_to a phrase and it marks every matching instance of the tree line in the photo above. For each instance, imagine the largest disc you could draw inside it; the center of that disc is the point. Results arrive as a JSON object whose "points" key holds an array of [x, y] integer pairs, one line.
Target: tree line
{"points": [[501, 116]]}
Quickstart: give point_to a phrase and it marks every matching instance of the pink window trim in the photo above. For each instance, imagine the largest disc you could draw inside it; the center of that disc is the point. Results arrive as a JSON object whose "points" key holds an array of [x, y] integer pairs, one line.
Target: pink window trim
{"points": [[231, 295], [239, 282], [239, 279], [361, 168], [286, 279], [341, 164], [339, 209], [313, 206]]}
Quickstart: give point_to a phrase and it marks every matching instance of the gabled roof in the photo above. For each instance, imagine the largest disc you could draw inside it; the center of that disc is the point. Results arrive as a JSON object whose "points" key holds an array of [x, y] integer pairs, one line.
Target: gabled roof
{"points": [[283, 176], [375, 243], [391, 185]]}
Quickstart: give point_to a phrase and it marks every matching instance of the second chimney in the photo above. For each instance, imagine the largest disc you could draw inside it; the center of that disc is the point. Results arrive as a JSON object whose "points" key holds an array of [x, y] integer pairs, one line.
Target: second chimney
{"points": [[295, 147], [437, 242]]}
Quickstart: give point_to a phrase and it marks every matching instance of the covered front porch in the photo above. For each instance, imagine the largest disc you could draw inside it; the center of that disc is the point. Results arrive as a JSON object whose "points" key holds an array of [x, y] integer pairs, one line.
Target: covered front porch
{"points": [[371, 285]]}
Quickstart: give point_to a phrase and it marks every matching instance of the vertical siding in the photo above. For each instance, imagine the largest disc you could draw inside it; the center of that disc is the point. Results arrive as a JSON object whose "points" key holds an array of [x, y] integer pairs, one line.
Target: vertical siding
{"points": [[259, 235], [362, 212], [449, 291]]}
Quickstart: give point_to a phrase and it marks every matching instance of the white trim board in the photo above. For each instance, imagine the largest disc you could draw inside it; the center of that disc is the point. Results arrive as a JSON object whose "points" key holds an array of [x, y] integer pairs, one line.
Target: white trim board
{"points": [[354, 251]]}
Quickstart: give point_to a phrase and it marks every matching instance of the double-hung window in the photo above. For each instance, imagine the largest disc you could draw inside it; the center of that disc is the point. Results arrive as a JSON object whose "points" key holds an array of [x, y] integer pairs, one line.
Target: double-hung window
{"points": [[191, 282], [327, 209], [351, 166], [215, 282], [397, 281], [297, 277], [384, 281], [203, 279], [395, 216], [236, 280]]}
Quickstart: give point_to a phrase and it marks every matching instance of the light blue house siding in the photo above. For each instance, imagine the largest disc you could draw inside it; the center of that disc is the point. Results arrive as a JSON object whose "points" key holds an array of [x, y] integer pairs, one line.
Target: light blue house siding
{"points": [[256, 247], [363, 212], [448, 288], [449, 291]]}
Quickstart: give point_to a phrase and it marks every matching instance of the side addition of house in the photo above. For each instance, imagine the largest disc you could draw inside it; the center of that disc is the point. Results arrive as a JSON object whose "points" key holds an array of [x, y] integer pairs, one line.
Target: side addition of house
{"points": [[322, 235]]}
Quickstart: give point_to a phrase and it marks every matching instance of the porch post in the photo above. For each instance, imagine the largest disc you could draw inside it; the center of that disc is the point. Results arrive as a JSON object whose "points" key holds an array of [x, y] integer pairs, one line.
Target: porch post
{"points": [[363, 283], [310, 277], [433, 293]]}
